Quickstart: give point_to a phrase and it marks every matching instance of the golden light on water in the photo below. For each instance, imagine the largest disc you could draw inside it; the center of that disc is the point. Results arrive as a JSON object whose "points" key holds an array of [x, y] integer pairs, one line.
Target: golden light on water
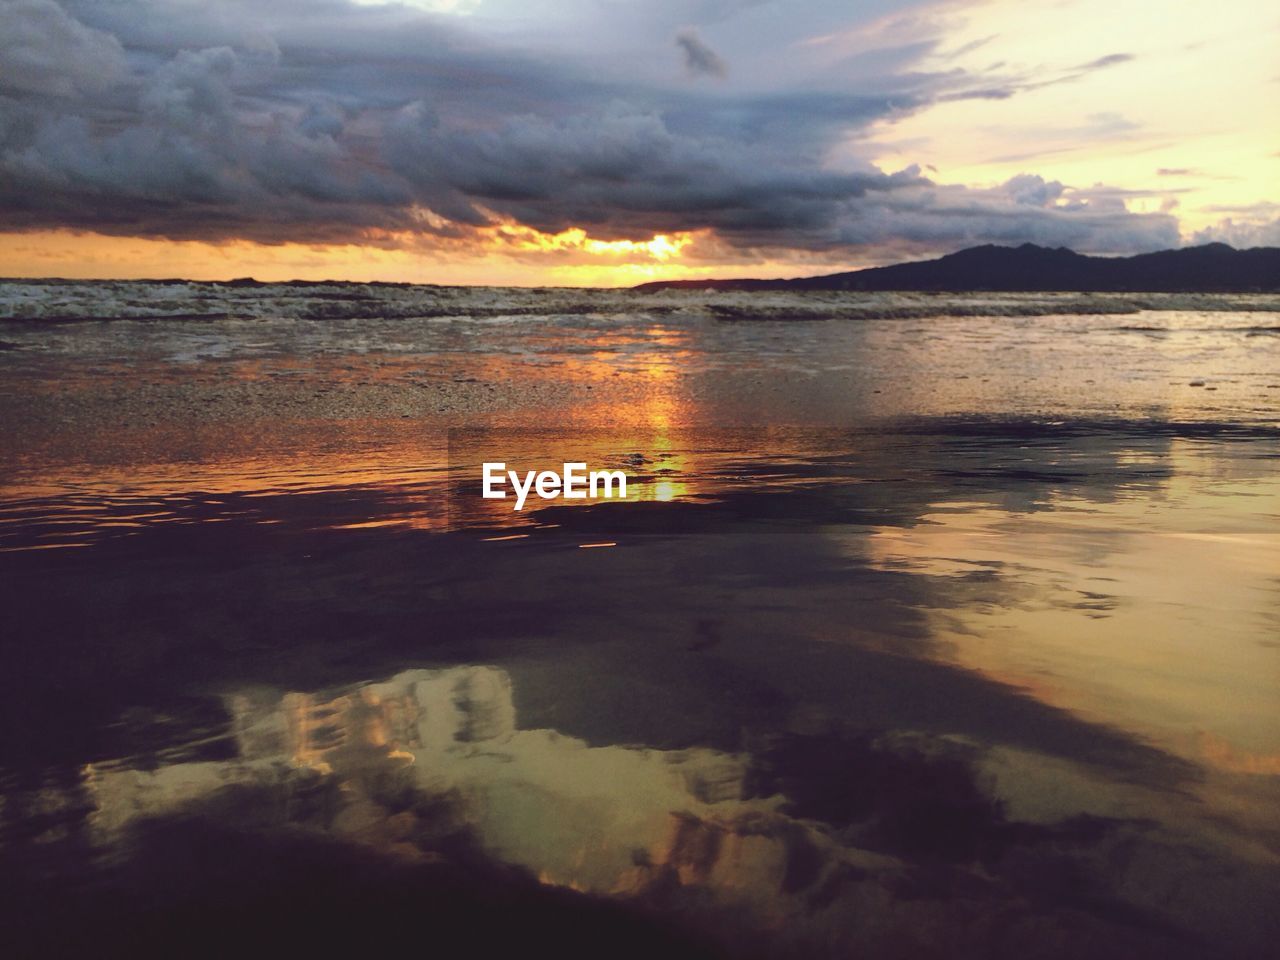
{"points": [[664, 491]]}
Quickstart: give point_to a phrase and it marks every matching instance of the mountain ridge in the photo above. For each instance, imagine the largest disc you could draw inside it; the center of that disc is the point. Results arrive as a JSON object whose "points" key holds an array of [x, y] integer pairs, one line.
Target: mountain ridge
{"points": [[1209, 268]]}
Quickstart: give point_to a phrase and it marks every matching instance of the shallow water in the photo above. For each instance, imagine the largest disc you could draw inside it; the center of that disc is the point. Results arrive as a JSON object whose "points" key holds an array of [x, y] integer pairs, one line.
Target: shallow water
{"points": [[917, 635]]}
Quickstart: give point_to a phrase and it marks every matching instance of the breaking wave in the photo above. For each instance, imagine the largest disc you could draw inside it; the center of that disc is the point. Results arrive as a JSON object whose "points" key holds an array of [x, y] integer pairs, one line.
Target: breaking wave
{"points": [[71, 301]]}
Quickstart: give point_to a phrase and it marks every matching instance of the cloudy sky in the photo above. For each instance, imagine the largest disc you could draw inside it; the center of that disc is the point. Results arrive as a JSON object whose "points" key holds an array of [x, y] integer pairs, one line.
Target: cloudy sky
{"points": [[615, 141]]}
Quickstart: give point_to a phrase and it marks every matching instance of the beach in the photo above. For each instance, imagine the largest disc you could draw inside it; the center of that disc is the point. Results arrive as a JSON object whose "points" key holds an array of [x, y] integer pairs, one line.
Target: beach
{"points": [[932, 624]]}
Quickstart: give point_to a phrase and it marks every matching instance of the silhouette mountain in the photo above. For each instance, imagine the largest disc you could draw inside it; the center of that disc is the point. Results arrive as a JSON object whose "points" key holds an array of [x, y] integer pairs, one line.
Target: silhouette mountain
{"points": [[1212, 268]]}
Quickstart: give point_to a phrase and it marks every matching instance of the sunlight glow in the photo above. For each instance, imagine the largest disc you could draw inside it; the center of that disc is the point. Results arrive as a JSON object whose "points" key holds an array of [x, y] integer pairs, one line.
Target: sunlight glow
{"points": [[499, 255]]}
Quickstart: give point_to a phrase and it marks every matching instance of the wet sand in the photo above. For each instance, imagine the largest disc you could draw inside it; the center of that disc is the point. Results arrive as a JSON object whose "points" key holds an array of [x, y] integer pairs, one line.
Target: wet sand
{"points": [[916, 637]]}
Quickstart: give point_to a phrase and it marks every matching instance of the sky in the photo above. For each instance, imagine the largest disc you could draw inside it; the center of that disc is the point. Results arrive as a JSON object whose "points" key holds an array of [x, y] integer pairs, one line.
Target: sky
{"points": [[608, 142]]}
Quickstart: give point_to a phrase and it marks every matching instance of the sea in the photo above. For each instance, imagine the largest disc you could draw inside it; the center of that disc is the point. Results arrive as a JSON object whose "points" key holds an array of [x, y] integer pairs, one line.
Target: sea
{"points": [[931, 624]]}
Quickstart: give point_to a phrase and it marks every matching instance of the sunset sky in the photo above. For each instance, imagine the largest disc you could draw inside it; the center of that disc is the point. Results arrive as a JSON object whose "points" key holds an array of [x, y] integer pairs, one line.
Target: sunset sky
{"points": [[611, 142]]}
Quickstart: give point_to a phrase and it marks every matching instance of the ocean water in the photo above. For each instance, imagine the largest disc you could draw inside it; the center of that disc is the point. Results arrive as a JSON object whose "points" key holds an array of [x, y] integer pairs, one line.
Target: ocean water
{"points": [[932, 625]]}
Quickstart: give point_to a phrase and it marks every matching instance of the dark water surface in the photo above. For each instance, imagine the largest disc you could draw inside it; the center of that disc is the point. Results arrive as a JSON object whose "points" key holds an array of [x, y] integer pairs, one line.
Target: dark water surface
{"points": [[916, 636]]}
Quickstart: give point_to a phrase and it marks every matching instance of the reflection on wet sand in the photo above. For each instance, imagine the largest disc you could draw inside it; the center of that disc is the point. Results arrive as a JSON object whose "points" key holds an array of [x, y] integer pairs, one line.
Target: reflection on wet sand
{"points": [[804, 838], [818, 743], [1108, 605]]}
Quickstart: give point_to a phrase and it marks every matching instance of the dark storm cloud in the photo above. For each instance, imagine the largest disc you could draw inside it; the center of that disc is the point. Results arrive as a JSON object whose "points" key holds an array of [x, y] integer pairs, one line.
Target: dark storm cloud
{"points": [[317, 120], [44, 51], [699, 59]]}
